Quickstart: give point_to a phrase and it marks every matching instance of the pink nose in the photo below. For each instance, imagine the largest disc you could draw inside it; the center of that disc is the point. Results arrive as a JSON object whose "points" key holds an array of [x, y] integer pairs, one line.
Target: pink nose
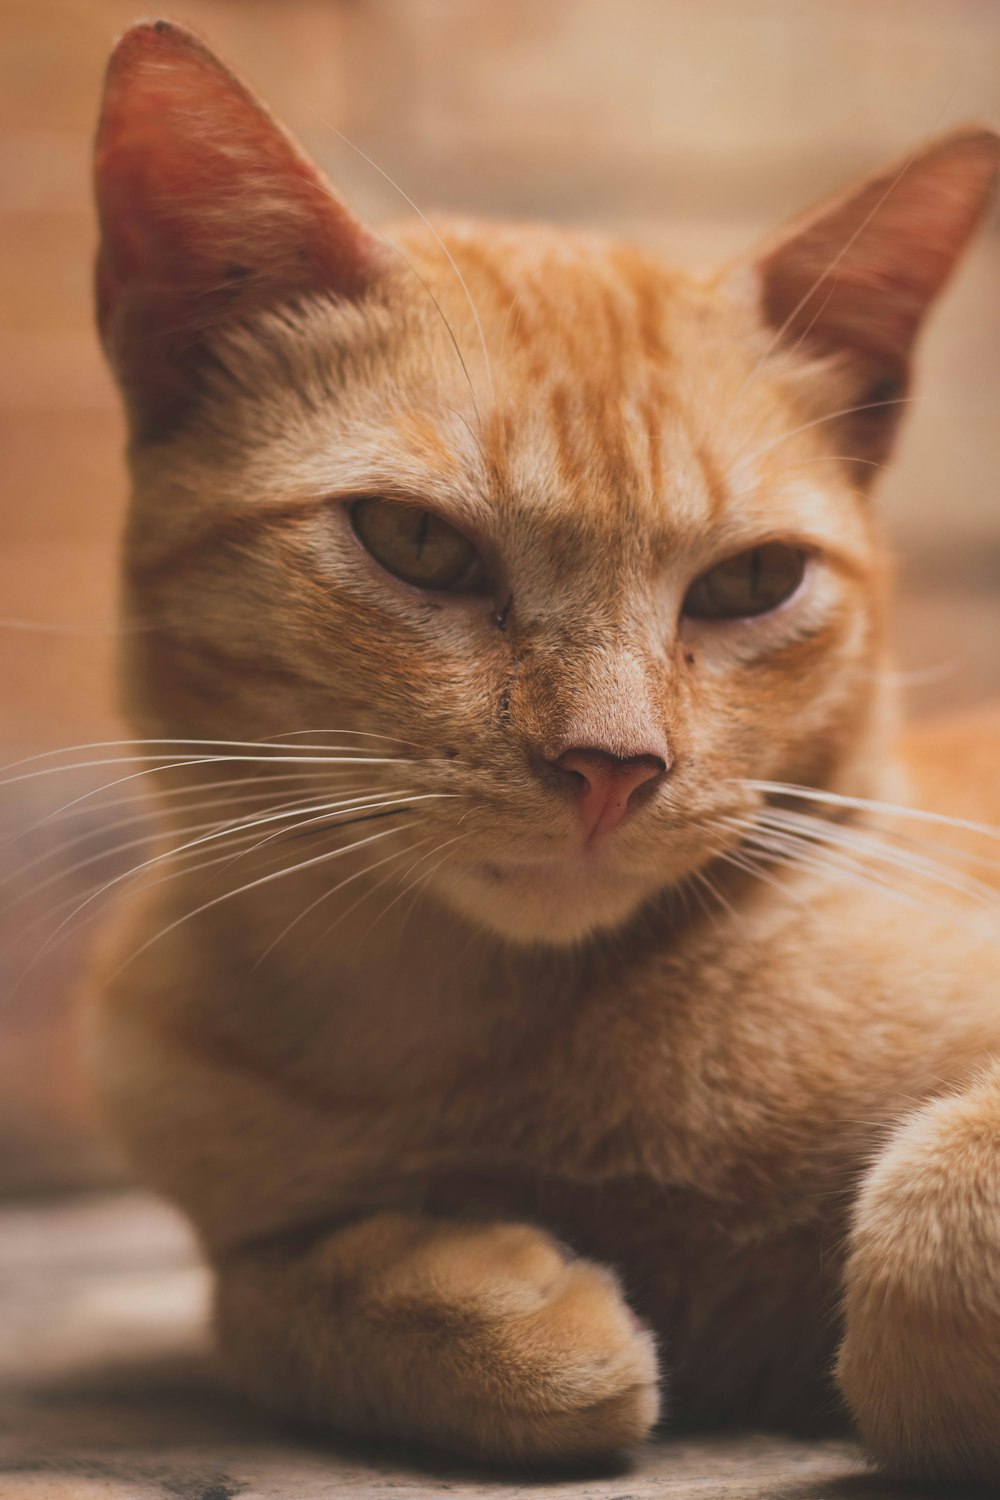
{"points": [[605, 783]]}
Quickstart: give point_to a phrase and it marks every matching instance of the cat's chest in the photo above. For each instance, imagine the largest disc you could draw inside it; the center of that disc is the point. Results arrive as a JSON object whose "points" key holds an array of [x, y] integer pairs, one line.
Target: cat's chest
{"points": [[632, 1082], [719, 1069]]}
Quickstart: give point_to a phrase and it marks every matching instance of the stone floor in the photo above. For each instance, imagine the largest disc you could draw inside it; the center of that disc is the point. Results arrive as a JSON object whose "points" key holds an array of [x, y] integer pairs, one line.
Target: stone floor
{"points": [[107, 1392]]}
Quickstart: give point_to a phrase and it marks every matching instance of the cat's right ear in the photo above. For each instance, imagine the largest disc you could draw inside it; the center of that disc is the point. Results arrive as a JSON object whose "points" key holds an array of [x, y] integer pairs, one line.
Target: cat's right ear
{"points": [[854, 279], [209, 212]]}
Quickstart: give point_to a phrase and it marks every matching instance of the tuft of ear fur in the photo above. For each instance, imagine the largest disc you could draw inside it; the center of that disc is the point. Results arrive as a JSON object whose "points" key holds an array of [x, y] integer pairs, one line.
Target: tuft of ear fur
{"points": [[855, 277], [208, 211]]}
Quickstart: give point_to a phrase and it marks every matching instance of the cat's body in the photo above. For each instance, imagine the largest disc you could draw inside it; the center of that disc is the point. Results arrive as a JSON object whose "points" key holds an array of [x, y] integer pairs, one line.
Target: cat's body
{"points": [[378, 1102], [686, 1114]]}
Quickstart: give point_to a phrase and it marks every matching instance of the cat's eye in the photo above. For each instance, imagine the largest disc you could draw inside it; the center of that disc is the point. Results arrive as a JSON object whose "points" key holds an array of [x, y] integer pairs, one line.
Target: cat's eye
{"points": [[752, 583], [416, 545]]}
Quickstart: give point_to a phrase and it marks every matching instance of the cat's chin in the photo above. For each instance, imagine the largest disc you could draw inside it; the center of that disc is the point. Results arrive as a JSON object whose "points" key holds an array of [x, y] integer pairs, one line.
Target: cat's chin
{"points": [[557, 903]]}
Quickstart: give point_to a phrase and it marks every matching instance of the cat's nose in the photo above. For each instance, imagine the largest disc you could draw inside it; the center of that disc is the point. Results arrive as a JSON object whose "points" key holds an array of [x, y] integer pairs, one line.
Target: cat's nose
{"points": [[604, 784]]}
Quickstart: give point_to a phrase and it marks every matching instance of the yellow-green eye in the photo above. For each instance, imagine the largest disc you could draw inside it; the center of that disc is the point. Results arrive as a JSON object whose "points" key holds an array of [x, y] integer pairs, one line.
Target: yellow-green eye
{"points": [[416, 545], [750, 584]]}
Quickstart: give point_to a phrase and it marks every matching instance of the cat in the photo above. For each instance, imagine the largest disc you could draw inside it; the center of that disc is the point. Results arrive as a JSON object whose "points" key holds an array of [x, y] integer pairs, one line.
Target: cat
{"points": [[626, 1076]]}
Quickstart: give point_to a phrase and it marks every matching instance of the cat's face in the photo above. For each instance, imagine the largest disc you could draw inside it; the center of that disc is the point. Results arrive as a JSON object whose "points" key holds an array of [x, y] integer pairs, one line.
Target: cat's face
{"points": [[568, 537], [627, 447]]}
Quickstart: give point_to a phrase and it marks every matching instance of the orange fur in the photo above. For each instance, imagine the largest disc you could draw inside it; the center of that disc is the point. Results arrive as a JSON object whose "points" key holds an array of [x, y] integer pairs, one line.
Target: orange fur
{"points": [[471, 1034]]}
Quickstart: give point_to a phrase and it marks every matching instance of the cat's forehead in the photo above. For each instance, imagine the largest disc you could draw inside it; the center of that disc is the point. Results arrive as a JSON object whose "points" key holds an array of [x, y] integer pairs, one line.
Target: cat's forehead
{"points": [[527, 383], [541, 298], [601, 387]]}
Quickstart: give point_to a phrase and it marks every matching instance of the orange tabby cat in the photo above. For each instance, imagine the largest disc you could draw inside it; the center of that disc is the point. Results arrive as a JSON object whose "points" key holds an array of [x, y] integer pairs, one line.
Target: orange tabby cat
{"points": [[626, 1071]]}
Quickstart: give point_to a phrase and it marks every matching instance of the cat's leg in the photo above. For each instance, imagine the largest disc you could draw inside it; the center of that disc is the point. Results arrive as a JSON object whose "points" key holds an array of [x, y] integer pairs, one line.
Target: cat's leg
{"points": [[920, 1362], [490, 1340]]}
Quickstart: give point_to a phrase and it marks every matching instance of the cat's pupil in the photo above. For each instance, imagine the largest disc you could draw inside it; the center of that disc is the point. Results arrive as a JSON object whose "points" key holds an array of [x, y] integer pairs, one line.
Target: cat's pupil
{"points": [[425, 521], [755, 572]]}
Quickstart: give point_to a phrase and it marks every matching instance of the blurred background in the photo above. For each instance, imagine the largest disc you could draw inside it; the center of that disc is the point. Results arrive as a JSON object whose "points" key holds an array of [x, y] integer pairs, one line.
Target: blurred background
{"points": [[689, 125]]}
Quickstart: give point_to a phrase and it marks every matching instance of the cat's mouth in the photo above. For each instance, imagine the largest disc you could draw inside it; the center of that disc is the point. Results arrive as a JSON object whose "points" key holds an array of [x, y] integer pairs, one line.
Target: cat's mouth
{"points": [[502, 873], [582, 864], [548, 900]]}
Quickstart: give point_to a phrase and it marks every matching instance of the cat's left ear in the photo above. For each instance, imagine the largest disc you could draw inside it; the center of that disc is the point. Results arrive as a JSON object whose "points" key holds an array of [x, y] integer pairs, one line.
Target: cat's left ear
{"points": [[855, 277], [209, 212]]}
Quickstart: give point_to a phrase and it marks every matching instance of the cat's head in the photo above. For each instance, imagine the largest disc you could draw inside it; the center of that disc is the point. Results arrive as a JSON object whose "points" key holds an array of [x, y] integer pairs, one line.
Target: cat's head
{"points": [[581, 542]]}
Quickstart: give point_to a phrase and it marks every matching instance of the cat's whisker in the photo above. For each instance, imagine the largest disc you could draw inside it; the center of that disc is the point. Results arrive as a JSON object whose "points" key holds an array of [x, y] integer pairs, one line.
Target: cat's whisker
{"points": [[146, 819], [819, 458], [831, 416], [713, 891], [862, 839], [91, 804], [162, 765], [177, 864], [457, 838], [831, 861], [197, 800], [752, 448], [868, 804], [684, 891], [376, 809], [882, 865], [461, 417], [185, 763], [201, 744], [379, 808], [419, 888], [452, 336], [256, 884], [215, 827], [323, 812], [110, 630], [817, 314], [273, 844], [447, 253], [191, 861], [189, 864], [821, 854], [326, 895], [921, 676], [366, 734], [159, 796], [108, 852], [176, 762], [811, 850], [743, 860], [840, 458], [785, 850], [739, 856]]}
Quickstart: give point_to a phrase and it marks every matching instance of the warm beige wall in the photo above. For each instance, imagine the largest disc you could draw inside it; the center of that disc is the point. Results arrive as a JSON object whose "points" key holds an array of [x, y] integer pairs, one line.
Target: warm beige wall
{"points": [[690, 124]]}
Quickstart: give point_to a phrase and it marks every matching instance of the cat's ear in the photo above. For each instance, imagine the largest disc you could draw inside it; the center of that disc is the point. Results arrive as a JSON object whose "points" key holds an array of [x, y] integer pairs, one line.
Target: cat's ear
{"points": [[208, 212], [855, 277]]}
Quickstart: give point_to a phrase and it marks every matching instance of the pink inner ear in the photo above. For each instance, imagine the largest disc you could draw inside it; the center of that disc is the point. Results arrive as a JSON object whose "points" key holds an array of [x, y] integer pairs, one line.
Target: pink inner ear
{"points": [[208, 211]]}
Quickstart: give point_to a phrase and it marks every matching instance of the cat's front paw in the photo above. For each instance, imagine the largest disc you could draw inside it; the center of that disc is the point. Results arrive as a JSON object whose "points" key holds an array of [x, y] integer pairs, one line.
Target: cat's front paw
{"points": [[920, 1362], [540, 1358]]}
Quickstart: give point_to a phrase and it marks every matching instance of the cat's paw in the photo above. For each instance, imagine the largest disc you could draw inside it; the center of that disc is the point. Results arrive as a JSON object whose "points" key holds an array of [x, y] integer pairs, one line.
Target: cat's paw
{"points": [[920, 1362], [539, 1357]]}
